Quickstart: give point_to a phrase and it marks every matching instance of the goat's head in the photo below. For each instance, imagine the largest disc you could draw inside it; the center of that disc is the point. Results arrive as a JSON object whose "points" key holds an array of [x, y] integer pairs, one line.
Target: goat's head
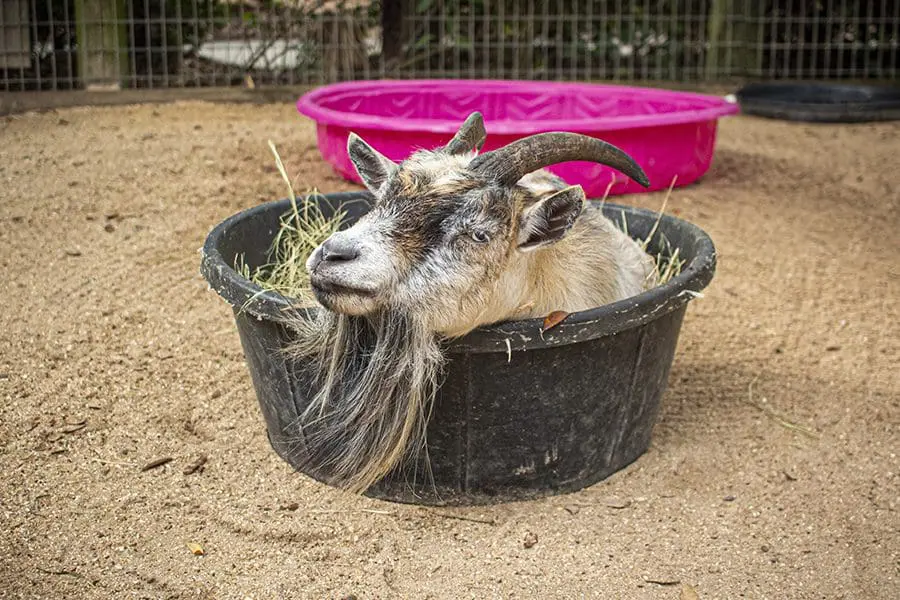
{"points": [[445, 223]]}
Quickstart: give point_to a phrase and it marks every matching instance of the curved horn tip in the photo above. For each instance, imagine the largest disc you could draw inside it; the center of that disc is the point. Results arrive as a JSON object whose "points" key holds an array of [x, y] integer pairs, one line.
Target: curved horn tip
{"points": [[642, 179], [473, 119]]}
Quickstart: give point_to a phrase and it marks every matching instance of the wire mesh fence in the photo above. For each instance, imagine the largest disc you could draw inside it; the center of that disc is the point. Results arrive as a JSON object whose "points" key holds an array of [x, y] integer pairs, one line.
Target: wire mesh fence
{"points": [[76, 44]]}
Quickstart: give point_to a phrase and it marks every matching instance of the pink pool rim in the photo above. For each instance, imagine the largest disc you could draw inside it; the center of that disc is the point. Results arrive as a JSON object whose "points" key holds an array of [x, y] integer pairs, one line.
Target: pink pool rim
{"points": [[670, 134]]}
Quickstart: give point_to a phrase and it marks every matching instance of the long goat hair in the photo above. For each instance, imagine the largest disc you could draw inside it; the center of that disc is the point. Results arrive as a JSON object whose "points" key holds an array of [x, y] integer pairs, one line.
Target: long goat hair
{"points": [[375, 379]]}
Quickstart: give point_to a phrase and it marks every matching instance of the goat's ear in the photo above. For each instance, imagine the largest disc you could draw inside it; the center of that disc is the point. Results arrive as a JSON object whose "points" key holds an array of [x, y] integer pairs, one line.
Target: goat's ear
{"points": [[373, 167], [550, 219]]}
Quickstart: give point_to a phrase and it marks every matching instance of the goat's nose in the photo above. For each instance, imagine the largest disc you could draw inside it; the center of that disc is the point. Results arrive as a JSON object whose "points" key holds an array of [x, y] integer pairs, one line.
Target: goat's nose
{"points": [[337, 249]]}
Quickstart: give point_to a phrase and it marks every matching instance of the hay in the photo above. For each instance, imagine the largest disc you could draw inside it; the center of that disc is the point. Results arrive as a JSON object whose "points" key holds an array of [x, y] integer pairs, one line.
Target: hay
{"points": [[668, 261], [301, 230]]}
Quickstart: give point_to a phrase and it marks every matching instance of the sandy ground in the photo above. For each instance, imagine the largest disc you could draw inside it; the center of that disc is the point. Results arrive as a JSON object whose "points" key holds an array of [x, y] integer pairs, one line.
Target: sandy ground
{"points": [[113, 353]]}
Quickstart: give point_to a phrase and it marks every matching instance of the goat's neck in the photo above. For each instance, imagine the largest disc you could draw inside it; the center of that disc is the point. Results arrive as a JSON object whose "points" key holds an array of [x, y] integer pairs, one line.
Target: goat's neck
{"points": [[595, 264], [568, 275]]}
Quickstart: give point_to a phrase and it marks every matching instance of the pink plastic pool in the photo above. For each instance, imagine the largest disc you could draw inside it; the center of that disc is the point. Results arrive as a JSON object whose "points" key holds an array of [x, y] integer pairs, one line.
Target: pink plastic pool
{"points": [[670, 134]]}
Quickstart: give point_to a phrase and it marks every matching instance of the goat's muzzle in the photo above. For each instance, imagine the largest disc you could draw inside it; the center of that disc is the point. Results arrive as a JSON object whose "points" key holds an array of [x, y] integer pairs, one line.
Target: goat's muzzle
{"points": [[332, 267]]}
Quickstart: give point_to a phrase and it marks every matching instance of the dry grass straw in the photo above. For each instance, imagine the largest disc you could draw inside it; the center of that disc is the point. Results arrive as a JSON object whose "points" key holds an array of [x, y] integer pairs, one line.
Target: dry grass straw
{"points": [[668, 262], [301, 230]]}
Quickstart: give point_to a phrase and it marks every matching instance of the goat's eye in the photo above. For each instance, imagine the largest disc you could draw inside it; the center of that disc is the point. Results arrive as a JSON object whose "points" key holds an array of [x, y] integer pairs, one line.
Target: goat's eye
{"points": [[479, 236]]}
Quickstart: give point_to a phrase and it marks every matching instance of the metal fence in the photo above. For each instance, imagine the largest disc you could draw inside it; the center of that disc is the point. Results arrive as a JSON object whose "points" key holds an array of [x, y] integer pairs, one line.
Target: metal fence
{"points": [[77, 44]]}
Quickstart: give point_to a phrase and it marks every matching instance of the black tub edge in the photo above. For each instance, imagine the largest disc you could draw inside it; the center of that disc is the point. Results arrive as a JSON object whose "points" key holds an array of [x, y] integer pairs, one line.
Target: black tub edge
{"points": [[820, 102]]}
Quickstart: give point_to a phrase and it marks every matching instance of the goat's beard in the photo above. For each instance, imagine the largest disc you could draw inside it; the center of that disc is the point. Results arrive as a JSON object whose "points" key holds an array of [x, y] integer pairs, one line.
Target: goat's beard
{"points": [[373, 380]]}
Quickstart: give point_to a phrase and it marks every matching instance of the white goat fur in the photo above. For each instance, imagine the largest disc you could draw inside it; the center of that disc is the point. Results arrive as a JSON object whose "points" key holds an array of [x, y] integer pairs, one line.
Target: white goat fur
{"points": [[595, 264]]}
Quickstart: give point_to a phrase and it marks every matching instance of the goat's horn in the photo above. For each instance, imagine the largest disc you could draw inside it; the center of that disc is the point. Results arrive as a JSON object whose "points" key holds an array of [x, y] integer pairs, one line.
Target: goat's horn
{"points": [[470, 136], [512, 162]]}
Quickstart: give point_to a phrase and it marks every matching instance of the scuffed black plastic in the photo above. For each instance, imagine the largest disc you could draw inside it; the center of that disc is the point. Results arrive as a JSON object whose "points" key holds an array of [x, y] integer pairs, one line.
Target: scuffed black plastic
{"points": [[820, 102], [519, 414]]}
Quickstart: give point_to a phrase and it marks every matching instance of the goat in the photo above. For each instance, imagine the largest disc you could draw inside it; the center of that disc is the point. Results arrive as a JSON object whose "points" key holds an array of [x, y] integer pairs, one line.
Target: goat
{"points": [[455, 239]]}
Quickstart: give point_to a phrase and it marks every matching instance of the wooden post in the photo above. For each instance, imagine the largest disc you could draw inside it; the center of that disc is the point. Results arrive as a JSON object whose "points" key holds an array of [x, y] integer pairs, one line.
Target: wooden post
{"points": [[715, 32], [746, 58], [15, 38], [102, 38]]}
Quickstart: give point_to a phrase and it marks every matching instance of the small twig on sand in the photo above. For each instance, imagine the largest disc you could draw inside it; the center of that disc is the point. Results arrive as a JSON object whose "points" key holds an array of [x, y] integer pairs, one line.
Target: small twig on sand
{"points": [[775, 416], [157, 463], [663, 582], [60, 572]]}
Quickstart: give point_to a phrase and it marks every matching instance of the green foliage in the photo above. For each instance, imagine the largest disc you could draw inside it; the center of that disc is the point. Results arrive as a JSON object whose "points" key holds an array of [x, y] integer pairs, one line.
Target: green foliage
{"points": [[657, 39], [814, 38], [613, 38]]}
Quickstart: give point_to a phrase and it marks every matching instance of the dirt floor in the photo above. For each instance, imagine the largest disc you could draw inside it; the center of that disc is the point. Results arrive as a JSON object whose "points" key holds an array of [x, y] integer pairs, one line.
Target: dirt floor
{"points": [[773, 471]]}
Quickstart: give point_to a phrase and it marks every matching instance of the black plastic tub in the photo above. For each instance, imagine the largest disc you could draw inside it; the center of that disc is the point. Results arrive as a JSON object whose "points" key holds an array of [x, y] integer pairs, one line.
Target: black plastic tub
{"points": [[519, 414], [819, 102]]}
